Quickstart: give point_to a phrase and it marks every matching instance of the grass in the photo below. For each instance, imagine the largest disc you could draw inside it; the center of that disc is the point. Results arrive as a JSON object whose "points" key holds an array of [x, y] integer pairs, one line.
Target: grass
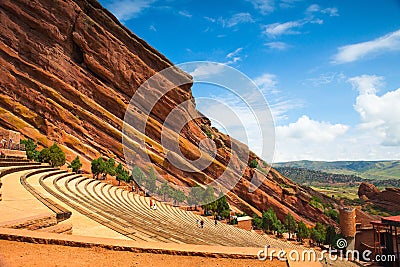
{"points": [[350, 192]]}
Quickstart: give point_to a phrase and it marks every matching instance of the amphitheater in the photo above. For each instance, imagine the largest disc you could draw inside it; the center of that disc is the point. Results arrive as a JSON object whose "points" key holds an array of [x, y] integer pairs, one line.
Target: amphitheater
{"points": [[41, 204]]}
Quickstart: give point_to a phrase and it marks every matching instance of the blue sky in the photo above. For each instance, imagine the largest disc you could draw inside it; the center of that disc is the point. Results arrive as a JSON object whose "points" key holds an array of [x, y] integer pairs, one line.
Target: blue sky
{"points": [[328, 69]]}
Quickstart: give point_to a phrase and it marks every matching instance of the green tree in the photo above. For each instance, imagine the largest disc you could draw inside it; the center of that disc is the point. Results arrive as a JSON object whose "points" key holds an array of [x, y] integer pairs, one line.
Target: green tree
{"points": [[223, 208], [290, 224], [138, 175], [318, 233], [57, 156], [30, 148], [44, 155], [253, 164], [302, 231], [75, 164], [151, 184], [52, 155], [120, 173], [270, 221], [97, 166], [123, 176], [195, 196], [280, 228], [178, 196], [165, 190], [119, 169], [110, 167], [257, 222], [333, 214], [208, 199], [330, 237]]}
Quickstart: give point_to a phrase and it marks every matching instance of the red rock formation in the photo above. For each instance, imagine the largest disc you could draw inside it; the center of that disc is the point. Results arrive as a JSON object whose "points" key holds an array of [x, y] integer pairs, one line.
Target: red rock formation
{"points": [[368, 190], [68, 71], [387, 199]]}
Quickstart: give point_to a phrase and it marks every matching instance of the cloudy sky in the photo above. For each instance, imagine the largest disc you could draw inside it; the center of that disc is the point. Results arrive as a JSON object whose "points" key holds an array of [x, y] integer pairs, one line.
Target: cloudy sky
{"points": [[328, 69]]}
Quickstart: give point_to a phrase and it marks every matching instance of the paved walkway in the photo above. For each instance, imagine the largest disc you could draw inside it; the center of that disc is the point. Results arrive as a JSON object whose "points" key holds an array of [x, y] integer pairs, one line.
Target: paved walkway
{"points": [[17, 202]]}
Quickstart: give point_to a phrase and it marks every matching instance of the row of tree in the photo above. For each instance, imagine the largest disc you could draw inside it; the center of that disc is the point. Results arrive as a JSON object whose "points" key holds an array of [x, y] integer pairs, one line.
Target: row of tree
{"points": [[320, 234], [52, 155], [209, 202], [99, 167]]}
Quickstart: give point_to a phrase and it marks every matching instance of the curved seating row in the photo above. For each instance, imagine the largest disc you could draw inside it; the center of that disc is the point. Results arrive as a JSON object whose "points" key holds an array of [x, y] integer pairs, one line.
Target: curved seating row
{"points": [[61, 212], [130, 214]]}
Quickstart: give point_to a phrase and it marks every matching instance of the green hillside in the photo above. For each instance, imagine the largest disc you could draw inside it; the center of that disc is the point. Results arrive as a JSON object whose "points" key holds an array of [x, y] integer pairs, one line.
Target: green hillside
{"points": [[366, 169]]}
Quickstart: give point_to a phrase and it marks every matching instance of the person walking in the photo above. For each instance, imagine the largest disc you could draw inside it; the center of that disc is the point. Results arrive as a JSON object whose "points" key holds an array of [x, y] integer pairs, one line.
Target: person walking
{"points": [[154, 206], [151, 204], [215, 222], [201, 224], [197, 223], [3, 142], [9, 146]]}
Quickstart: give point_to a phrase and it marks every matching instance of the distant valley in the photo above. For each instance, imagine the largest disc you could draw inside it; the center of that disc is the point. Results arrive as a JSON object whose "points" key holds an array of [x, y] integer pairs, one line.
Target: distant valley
{"points": [[375, 170]]}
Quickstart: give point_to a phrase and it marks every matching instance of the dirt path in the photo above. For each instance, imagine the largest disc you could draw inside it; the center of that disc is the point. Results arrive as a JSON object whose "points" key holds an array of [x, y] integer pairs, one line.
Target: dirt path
{"points": [[15, 254]]}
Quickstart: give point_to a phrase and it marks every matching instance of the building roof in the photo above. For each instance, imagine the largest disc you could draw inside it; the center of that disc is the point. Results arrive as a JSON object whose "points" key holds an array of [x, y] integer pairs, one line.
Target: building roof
{"points": [[392, 220], [244, 218]]}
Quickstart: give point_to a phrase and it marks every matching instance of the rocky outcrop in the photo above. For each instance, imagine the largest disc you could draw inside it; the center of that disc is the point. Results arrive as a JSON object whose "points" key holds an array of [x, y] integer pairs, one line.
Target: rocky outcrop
{"points": [[368, 190], [387, 199], [68, 72]]}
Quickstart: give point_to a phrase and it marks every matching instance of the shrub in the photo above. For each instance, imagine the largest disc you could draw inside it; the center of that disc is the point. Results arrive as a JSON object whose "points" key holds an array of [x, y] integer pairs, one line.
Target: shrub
{"points": [[253, 164], [30, 148], [75, 164], [52, 155], [302, 231]]}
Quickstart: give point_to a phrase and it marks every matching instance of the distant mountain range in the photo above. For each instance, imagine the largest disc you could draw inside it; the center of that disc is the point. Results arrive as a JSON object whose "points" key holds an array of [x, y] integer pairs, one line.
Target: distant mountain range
{"points": [[381, 170], [322, 178]]}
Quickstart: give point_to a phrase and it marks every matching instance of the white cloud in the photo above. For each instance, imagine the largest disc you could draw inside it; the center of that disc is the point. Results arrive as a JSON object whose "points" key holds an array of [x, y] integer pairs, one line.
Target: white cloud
{"points": [[152, 28], [331, 11], [310, 139], [234, 57], [236, 19], [266, 82], [277, 45], [376, 137], [379, 114], [185, 14], [277, 29], [317, 21], [234, 53], [325, 78], [354, 52], [212, 20], [367, 84], [263, 6], [280, 107], [288, 3], [313, 8], [308, 130], [128, 9], [206, 70]]}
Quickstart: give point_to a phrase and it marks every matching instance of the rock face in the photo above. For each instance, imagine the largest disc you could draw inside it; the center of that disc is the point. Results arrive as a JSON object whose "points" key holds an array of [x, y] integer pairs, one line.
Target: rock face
{"points": [[387, 199], [68, 71], [368, 190]]}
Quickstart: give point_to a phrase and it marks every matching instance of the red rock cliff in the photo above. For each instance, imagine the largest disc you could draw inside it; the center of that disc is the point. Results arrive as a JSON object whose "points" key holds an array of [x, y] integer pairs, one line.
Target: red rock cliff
{"points": [[68, 70]]}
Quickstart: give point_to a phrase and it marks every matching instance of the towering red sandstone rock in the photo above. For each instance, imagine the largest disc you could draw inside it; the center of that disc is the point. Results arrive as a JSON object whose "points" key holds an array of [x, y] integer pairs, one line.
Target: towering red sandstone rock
{"points": [[68, 71]]}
